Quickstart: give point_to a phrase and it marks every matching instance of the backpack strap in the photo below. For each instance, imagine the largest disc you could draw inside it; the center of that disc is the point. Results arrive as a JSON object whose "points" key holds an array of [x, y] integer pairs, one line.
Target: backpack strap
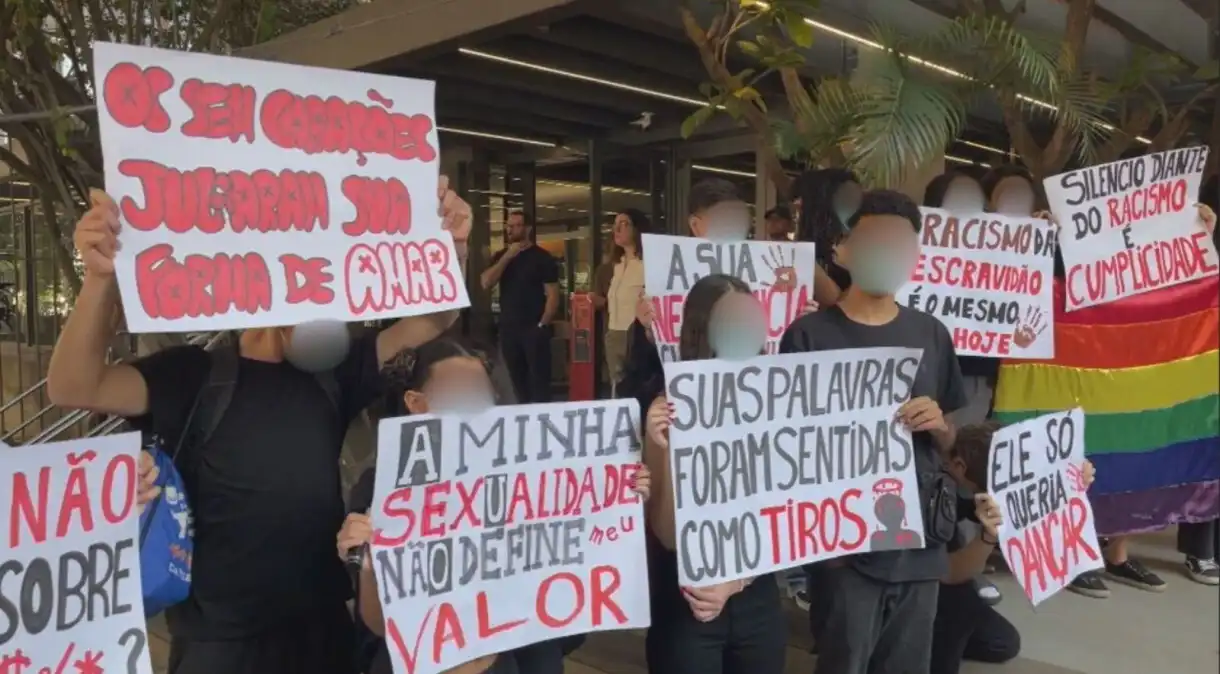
{"points": [[216, 395]]}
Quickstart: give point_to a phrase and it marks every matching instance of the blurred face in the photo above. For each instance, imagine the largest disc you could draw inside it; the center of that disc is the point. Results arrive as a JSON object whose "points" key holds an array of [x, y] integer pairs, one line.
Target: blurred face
{"points": [[624, 231], [516, 230], [738, 327], [846, 201], [458, 385], [956, 468], [880, 252], [313, 346], [1013, 195], [726, 221], [964, 195]]}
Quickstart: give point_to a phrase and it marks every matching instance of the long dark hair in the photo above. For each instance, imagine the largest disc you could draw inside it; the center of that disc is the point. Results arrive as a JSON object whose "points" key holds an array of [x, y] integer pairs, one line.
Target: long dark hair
{"points": [[411, 369], [639, 227], [991, 181], [697, 313], [819, 223]]}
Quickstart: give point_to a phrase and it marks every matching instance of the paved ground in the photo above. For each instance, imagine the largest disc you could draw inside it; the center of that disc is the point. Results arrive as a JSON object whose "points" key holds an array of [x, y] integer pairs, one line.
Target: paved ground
{"points": [[1132, 632]]}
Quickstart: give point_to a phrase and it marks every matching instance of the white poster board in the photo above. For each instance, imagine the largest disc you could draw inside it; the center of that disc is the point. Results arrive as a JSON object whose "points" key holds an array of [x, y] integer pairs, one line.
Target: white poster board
{"points": [[1131, 226], [257, 194], [990, 280], [508, 528], [672, 264], [70, 596], [1048, 536], [785, 460]]}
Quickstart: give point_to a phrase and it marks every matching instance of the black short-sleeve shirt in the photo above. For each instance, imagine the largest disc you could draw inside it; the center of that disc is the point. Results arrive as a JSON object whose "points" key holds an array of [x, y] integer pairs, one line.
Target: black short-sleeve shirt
{"points": [[523, 286], [265, 490], [938, 378]]}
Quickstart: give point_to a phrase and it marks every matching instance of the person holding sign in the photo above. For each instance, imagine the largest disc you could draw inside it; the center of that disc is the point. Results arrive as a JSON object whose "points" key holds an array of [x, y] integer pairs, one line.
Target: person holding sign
{"points": [[443, 376], [853, 633], [730, 628], [267, 595]]}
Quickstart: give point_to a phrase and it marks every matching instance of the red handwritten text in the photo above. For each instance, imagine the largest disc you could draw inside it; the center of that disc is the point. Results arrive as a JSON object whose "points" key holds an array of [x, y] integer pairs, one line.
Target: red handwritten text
{"points": [[384, 276], [133, 96], [200, 285]]}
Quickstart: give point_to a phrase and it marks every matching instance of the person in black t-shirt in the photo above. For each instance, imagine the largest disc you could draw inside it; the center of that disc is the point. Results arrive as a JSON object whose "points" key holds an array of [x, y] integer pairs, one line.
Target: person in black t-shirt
{"points": [[267, 594], [873, 612], [529, 299]]}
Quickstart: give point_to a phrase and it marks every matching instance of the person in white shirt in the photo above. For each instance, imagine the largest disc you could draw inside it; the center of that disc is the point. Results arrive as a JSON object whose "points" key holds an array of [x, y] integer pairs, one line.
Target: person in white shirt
{"points": [[625, 287]]}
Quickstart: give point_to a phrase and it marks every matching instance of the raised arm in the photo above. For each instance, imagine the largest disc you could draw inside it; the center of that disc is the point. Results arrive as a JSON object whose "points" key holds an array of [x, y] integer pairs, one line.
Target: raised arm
{"points": [[499, 262], [659, 509], [79, 376]]}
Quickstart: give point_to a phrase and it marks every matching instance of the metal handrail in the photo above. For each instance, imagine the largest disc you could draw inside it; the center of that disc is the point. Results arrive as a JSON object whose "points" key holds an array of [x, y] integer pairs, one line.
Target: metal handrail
{"points": [[36, 388], [209, 341]]}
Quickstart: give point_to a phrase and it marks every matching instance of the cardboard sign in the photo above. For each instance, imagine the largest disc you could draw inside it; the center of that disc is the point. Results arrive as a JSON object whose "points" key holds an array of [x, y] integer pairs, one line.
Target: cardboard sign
{"points": [[508, 528], [1036, 477], [672, 264], [70, 598], [256, 194], [1131, 226], [780, 461], [990, 280]]}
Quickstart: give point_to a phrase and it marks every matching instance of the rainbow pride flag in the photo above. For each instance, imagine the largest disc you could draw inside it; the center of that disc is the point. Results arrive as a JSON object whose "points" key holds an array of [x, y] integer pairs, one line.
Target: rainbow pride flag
{"points": [[1146, 370]]}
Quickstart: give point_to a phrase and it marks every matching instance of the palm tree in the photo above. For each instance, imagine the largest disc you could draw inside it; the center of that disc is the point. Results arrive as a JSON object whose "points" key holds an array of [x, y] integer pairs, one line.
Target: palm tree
{"points": [[899, 109]]}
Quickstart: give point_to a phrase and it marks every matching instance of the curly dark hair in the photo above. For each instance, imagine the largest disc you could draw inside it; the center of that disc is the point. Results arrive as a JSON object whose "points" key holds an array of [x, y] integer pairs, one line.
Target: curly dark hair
{"points": [[410, 369], [819, 224]]}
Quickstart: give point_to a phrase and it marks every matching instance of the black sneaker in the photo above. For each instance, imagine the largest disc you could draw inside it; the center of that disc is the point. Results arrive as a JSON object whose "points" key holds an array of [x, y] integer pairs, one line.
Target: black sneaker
{"points": [[1205, 571], [988, 592], [1135, 574], [1090, 584]]}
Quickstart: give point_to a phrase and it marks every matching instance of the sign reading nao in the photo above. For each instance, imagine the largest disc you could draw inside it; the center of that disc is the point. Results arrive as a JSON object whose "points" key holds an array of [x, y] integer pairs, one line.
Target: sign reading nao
{"points": [[70, 597], [507, 528], [1036, 475], [989, 279], [780, 461], [779, 274], [1131, 226], [255, 194]]}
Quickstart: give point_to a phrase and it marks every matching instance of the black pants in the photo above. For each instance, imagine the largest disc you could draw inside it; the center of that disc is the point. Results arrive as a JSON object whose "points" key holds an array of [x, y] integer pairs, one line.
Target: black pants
{"points": [[545, 657], [1200, 540], [315, 645], [865, 626], [750, 636], [527, 355], [966, 628]]}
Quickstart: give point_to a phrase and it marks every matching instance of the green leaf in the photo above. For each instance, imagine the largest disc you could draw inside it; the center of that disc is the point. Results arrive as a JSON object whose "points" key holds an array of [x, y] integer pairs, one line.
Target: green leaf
{"points": [[1208, 71], [696, 119], [749, 48], [800, 32]]}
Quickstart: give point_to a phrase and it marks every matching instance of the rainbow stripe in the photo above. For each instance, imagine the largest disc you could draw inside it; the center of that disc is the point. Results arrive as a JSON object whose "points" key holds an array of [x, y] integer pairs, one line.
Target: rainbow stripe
{"points": [[1146, 370]]}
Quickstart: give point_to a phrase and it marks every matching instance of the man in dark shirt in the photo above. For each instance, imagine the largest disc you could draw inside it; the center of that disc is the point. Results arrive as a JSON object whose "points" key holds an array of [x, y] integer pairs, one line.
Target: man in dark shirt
{"points": [[529, 298], [267, 591], [874, 612]]}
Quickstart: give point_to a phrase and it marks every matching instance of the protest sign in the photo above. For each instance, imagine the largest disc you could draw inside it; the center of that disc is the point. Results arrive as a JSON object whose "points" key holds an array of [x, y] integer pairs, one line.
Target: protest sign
{"points": [[785, 460], [779, 274], [1036, 475], [1131, 226], [255, 194], [70, 599], [508, 528], [990, 280]]}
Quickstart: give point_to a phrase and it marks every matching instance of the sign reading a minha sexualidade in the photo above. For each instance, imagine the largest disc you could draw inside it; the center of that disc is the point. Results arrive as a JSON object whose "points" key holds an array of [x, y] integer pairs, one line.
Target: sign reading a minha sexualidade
{"points": [[507, 528], [1131, 226]]}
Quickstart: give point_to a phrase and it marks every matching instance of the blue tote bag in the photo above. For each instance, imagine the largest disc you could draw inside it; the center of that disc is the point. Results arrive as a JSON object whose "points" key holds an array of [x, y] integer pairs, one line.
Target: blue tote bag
{"points": [[166, 539]]}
